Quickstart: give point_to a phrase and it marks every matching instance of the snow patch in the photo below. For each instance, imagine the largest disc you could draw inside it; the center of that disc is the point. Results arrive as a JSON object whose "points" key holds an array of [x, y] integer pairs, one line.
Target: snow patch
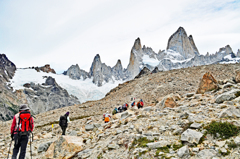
{"points": [[150, 61], [84, 90]]}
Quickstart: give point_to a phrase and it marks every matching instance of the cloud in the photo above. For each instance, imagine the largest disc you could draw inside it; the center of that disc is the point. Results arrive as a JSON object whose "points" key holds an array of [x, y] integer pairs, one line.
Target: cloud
{"points": [[62, 33]]}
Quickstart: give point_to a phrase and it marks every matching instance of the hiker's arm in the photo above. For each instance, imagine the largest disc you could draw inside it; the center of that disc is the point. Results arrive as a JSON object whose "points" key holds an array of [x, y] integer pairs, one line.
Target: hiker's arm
{"points": [[68, 119], [13, 125], [32, 122]]}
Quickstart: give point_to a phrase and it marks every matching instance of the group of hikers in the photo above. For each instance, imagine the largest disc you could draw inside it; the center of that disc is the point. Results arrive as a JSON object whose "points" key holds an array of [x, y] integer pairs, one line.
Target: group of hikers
{"points": [[125, 106], [23, 124], [122, 108]]}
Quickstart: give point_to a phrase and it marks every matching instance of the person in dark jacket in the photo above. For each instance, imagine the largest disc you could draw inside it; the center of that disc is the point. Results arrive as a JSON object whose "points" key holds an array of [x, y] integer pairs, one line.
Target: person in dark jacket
{"points": [[63, 122], [20, 138]]}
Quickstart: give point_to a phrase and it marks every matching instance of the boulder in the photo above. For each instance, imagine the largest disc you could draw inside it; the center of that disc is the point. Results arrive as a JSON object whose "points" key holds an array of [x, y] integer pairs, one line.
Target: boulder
{"points": [[237, 140], [191, 136], [65, 147], [84, 153], [230, 112], [155, 145], [89, 127], [123, 115], [148, 109], [196, 125], [227, 96], [169, 101], [237, 78], [44, 146], [207, 83], [183, 152], [207, 154]]}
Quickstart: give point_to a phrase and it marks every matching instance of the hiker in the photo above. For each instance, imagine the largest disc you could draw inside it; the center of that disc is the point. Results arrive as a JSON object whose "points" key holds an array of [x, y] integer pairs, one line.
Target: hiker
{"points": [[115, 111], [125, 107], [140, 104], [120, 109], [22, 126], [63, 122], [106, 117], [133, 104]]}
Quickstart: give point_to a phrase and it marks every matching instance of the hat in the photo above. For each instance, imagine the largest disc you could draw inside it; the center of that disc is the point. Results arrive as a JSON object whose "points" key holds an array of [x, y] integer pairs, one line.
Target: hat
{"points": [[23, 107], [67, 113]]}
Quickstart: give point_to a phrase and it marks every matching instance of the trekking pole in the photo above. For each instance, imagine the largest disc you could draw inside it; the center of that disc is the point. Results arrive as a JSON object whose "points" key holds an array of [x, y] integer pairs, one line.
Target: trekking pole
{"points": [[9, 148], [31, 138]]}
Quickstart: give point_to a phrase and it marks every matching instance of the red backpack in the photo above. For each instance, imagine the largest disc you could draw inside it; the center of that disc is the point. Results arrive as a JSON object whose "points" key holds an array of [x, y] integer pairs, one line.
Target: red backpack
{"points": [[24, 123]]}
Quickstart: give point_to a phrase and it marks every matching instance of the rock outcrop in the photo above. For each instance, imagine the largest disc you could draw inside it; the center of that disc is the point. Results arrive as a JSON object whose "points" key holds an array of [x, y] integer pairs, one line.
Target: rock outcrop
{"points": [[47, 96], [237, 78], [65, 147], [144, 72], [45, 68], [208, 83], [74, 72], [7, 68]]}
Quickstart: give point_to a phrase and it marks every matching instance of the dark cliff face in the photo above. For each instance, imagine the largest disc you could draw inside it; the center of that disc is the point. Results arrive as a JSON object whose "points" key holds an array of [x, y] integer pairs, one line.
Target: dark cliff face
{"points": [[7, 68], [48, 96], [8, 99]]}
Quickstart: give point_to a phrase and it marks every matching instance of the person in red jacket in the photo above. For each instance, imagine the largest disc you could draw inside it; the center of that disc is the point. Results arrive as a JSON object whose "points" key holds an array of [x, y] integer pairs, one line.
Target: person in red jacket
{"points": [[22, 125]]}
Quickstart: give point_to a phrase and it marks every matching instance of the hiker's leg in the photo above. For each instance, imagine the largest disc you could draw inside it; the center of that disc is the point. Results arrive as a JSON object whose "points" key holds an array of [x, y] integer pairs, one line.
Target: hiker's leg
{"points": [[16, 146], [64, 130], [24, 141]]}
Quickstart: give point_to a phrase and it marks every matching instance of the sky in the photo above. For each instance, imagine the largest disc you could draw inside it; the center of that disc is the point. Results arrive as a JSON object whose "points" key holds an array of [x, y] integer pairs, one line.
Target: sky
{"points": [[68, 32]]}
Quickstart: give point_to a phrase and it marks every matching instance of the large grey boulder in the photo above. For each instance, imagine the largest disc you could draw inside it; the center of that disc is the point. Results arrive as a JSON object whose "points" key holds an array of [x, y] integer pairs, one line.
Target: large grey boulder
{"points": [[230, 112], [155, 145], [89, 127], [191, 136], [227, 96], [85, 153], [206, 154], [237, 140], [44, 146], [183, 152]]}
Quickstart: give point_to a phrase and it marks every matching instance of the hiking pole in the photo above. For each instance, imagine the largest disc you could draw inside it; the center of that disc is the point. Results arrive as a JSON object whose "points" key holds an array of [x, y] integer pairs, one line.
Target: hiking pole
{"points": [[9, 148], [31, 144]]}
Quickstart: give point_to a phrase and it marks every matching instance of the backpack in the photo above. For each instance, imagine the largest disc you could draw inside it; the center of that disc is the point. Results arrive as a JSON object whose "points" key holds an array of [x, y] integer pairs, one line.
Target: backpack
{"points": [[63, 121], [24, 123], [133, 103]]}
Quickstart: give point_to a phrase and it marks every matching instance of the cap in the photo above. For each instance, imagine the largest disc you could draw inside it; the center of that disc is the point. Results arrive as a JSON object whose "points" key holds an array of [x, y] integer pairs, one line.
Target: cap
{"points": [[67, 113], [23, 107]]}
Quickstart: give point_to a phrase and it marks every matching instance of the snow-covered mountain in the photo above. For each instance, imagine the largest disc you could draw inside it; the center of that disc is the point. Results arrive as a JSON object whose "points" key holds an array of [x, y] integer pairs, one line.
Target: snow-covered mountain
{"points": [[181, 52], [83, 89]]}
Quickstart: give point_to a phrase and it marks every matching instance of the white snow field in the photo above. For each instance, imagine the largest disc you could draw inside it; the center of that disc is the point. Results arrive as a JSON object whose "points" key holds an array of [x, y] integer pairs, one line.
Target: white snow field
{"points": [[83, 90]]}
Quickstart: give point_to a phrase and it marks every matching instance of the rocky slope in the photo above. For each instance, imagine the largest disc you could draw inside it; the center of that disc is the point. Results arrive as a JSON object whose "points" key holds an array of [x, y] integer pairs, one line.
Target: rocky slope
{"points": [[173, 115]]}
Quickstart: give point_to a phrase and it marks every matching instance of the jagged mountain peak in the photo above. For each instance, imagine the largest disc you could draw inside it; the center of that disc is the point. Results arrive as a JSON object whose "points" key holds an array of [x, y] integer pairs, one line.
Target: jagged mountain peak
{"points": [[183, 44], [118, 62], [137, 44], [226, 49]]}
